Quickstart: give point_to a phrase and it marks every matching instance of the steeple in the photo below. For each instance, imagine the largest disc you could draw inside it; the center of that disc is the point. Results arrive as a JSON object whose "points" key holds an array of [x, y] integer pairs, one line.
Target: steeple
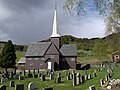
{"points": [[55, 26]]}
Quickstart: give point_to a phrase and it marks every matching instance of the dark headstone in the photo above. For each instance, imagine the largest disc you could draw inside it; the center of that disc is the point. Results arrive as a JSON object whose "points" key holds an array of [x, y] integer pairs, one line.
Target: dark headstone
{"points": [[35, 75], [2, 87], [48, 88], [92, 87], [21, 77], [82, 79], [30, 75], [16, 76], [86, 77], [94, 74], [28, 71], [89, 76], [33, 71], [106, 77], [68, 77], [38, 71], [51, 76], [42, 77], [31, 86], [58, 80], [39, 75], [101, 82], [78, 79], [19, 87], [74, 79], [12, 84], [59, 74], [4, 80]]}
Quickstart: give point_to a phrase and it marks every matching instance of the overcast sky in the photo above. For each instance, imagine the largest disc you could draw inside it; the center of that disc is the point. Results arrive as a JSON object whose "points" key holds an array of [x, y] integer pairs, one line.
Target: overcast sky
{"points": [[27, 21]]}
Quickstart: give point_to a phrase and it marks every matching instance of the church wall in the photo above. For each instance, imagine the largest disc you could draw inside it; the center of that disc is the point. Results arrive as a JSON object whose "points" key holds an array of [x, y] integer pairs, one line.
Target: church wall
{"points": [[35, 63], [68, 63]]}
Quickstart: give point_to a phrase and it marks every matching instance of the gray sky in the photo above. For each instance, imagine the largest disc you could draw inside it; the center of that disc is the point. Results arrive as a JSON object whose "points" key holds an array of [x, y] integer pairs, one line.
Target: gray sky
{"points": [[27, 21]]}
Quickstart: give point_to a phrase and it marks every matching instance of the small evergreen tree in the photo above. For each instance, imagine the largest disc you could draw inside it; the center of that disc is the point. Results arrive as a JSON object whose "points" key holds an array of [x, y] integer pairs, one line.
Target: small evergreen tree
{"points": [[8, 56]]}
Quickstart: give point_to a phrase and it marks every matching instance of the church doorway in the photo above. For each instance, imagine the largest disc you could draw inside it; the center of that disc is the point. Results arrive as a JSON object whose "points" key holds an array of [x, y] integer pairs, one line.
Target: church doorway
{"points": [[49, 65]]}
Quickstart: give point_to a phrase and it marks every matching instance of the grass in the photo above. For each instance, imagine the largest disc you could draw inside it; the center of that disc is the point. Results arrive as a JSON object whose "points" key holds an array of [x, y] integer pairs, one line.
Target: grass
{"points": [[66, 85]]}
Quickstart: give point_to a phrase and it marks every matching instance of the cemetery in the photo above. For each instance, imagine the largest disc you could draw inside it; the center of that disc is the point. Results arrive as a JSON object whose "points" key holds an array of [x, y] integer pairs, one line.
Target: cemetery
{"points": [[52, 65], [99, 79]]}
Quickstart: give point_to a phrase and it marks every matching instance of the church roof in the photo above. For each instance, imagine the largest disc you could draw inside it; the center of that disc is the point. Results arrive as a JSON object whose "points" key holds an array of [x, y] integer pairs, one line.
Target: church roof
{"points": [[68, 50], [37, 49]]}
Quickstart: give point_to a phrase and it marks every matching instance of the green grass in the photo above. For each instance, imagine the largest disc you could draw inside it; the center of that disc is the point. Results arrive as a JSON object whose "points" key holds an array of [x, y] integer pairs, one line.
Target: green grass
{"points": [[19, 55], [66, 85]]}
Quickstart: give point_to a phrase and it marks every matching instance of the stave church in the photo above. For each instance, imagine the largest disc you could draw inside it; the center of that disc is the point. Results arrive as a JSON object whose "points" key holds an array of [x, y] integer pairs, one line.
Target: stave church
{"points": [[50, 55]]}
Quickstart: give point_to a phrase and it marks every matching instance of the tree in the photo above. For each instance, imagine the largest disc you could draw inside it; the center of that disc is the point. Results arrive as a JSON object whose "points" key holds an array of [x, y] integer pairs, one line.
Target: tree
{"points": [[100, 50], [8, 56], [110, 9]]}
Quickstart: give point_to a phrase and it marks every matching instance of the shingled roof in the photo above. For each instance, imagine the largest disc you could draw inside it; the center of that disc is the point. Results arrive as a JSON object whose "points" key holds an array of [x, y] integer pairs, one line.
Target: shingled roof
{"points": [[68, 50], [37, 49]]}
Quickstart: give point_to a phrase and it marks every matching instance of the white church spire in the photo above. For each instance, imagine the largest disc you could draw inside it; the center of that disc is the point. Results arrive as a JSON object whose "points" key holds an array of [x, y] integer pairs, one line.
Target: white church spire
{"points": [[55, 26]]}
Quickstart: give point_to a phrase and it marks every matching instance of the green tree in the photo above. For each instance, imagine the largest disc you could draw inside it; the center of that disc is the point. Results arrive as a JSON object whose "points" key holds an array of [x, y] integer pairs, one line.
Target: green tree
{"points": [[100, 50], [8, 56]]}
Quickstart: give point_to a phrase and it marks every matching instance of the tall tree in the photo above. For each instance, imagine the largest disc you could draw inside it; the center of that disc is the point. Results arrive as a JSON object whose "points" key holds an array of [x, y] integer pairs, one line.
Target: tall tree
{"points": [[8, 56]]}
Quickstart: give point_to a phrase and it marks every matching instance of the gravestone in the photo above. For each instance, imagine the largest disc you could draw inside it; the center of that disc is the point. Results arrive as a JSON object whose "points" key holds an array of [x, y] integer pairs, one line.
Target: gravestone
{"points": [[29, 75], [51, 76], [42, 77], [11, 74], [86, 77], [94, 74], [58, 80], [12, 84], [66, 73], [28, 71], [82, 79], [21, 77], [16, 76], [78, 79], [2, 87], [19, 87], [33, 71], [4, 80], [31, 86], [38, 71], [92, 87], [48, 88], [14, 71], [106, 77], [39, 75], [68, 77], [101, 82], [35, 75], [89, 76], [59, 74], [74, 79]]}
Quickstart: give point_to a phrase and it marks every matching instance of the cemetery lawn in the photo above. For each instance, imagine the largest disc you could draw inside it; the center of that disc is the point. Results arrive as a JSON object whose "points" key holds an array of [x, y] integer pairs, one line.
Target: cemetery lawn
{"points": [[66, 85]]}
